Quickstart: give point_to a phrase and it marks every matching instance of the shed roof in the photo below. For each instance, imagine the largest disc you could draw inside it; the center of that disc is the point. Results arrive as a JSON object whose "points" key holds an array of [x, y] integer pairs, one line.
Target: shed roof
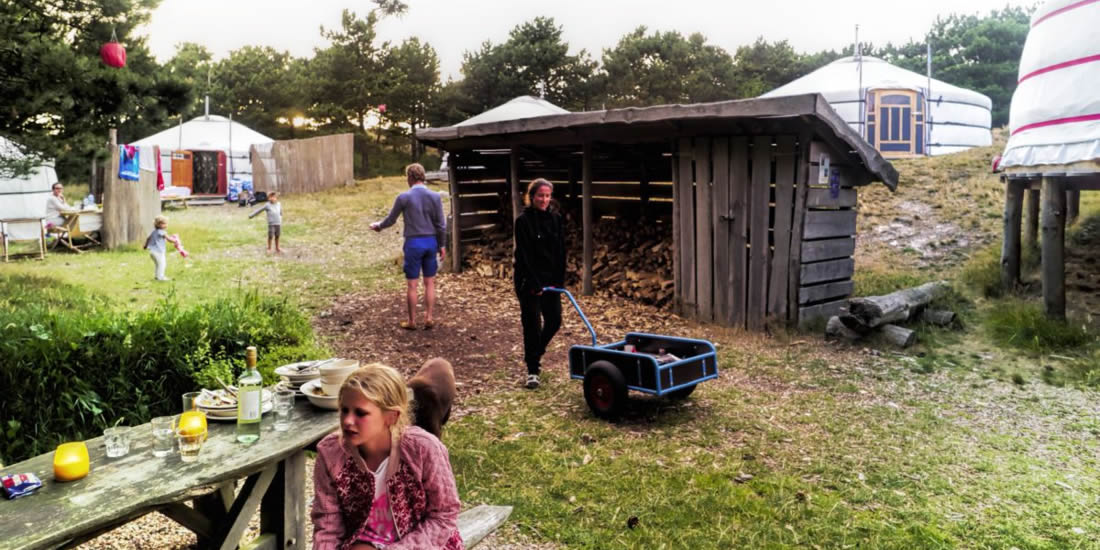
{"points": [[780, 115]]}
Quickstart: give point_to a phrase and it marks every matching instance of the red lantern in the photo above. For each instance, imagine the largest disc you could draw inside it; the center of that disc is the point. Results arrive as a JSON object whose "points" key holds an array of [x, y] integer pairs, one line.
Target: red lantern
{"points": [[382, 108], [112, 53]]}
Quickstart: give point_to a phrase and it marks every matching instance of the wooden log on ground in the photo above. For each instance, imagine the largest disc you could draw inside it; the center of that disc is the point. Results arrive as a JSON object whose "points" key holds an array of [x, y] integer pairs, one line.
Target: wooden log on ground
{"points": [[938, 317], [897, 306], [899, 336], [478, 522], [836, 329]]}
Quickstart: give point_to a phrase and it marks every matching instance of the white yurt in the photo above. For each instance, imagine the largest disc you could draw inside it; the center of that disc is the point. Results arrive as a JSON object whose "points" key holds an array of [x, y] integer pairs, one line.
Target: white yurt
{"points": [[25, 196], [1055, 113], [893, 109], [204, 153], [524, 106]]}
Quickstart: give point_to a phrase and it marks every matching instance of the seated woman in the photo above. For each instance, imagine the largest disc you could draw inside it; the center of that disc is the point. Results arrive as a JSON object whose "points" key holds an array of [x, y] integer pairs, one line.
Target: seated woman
{"points": [[379, 482], [55, 204]]}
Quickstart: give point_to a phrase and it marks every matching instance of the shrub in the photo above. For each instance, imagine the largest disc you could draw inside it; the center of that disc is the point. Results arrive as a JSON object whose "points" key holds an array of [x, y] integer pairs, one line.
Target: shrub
{"points": [[73, 363], [1026, 327]]}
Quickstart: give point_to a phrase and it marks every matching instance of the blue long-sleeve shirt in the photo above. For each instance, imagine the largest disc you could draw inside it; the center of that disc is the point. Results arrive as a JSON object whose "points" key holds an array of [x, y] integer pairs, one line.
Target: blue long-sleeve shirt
{"points": [[422, 210]]}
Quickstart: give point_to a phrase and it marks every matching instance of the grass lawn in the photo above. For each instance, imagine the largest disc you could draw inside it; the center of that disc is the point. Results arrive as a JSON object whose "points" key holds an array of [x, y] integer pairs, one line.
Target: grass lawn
{"points": [[957, 443]]}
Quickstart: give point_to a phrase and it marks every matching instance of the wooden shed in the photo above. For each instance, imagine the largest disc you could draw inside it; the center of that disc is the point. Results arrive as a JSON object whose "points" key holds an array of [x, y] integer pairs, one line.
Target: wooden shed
{"points": [[760, 194]]}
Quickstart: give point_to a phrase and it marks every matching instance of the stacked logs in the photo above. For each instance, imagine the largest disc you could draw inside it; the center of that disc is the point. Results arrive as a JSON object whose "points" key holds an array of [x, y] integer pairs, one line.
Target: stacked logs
{"points": [[631, 258], [879, 314]]}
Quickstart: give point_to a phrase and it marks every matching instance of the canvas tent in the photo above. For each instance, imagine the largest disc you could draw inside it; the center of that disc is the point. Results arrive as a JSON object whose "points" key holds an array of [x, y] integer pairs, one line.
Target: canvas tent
{"points": [[524, 106], [25, 197], [1055, 113], [887, 106], [204, 153]]}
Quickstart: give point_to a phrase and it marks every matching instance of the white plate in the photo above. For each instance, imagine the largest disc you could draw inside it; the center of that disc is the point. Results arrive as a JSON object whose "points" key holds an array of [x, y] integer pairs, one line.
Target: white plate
{"points": [[312, 390], [227, 416], [292, 373], [265, 396]]}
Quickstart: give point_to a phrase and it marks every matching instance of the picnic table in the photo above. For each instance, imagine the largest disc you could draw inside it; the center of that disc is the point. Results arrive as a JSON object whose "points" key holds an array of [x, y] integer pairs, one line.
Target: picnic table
{"points": [[118, 490]]}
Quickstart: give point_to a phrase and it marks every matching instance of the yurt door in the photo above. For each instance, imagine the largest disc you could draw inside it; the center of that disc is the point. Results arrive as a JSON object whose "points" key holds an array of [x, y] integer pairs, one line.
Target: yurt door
{"points": [[181, 169], [891, 122], [206, 172]]}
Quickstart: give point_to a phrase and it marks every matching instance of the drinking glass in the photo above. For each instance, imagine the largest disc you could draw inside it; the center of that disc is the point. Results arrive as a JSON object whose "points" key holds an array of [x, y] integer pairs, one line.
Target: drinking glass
{"points": [[117, 440], [284, 405], [164, 435], [189, 403], [190, 444]]}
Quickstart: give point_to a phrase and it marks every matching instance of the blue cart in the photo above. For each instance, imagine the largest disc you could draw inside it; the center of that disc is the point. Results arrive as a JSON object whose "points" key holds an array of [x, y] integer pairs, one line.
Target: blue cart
{"points": [[649, 363]]}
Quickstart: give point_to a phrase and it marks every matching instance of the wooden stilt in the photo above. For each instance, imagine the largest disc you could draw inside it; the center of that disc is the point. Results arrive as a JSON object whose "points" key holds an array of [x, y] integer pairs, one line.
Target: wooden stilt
{"points": [[1031, 219], [586, 216], [1054, 232], [1073, 205], [1010, 248]]}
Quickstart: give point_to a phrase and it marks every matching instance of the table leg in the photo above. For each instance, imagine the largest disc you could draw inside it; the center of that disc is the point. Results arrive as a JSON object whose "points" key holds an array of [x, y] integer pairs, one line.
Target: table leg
{"points": [[283, 511]]}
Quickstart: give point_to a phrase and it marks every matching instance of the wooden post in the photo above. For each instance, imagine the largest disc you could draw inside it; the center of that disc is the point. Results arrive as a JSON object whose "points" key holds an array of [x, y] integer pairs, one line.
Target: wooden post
{"points": [[798, 217], [685, 248], [456, 227], [513, 180], [572, 182], [677, 289], [1031, 219], [758, 232], [643, 188], [1073, 205], [586, 217], [1054, 233], [704, 227], [1010, 247]]}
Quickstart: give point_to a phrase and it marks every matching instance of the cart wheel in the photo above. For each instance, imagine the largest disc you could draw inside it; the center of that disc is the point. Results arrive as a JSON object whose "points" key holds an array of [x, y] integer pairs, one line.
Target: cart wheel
{"points": [[605, 390], [681, 393]]}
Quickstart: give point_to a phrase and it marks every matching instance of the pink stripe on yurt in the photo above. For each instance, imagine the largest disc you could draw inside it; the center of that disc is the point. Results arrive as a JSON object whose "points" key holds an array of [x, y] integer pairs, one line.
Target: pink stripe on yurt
{"points": [[1062, 10], [1061, 65], [1056, 121]]}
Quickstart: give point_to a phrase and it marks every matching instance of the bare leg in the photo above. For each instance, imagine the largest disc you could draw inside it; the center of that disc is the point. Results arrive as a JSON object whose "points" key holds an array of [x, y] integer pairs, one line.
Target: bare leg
{"points": [[269, 244], [277, 249], [429, 297], [410, 299]]}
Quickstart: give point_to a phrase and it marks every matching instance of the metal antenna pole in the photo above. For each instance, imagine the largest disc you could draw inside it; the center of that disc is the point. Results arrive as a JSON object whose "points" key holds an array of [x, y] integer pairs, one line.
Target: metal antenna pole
{"points": [[928, 102]]}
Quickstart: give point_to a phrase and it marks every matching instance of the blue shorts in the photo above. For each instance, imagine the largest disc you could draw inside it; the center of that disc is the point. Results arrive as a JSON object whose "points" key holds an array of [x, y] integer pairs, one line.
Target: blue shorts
{"points": [[420, 254]]}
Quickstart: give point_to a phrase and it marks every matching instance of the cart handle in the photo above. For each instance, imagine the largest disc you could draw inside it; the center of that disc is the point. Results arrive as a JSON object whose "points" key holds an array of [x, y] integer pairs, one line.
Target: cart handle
{"points": [[577, 307]]}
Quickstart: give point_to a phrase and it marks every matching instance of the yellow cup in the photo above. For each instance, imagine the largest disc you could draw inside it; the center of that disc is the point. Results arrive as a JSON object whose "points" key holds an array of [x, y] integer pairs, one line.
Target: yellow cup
{"points": [[70, 461]]}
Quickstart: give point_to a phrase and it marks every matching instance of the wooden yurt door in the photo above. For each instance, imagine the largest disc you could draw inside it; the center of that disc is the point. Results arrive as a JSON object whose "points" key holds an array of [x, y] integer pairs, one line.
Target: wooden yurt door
{"points": [[206, 172], [181, 169], [892, 122]]}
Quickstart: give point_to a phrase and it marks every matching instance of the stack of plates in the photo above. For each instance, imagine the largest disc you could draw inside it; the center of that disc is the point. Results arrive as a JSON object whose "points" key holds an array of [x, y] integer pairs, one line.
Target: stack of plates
{"points": [[295, 375], [220, 405]]}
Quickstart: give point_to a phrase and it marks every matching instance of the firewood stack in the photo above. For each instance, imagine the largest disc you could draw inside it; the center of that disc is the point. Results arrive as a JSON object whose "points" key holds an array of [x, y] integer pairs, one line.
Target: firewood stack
{"points": [[632, 258], [877, 314]]}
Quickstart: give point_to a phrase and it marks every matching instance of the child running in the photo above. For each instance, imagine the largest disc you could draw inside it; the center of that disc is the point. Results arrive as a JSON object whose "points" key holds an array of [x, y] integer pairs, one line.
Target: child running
{"points": [[154, 243]]}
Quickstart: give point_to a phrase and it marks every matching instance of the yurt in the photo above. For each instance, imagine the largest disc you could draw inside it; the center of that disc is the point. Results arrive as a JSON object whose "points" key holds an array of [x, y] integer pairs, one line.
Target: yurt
{"points": [[25, 196], [524, 106], [204, 153], [1055, 114], [900, 112]]}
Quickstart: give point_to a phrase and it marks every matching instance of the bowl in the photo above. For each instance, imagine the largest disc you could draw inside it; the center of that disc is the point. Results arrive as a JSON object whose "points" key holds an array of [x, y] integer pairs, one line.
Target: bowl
{"points": [[337, 370], [331, 388], [312, 391]]}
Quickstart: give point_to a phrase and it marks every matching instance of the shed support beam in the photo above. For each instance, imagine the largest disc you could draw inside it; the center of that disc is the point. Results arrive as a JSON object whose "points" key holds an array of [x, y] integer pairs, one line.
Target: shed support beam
{"points": [[1010, 248], [1031, 219], [456, 210], [586, 216], [1073, 205], [1054, 233], [513, 182]]}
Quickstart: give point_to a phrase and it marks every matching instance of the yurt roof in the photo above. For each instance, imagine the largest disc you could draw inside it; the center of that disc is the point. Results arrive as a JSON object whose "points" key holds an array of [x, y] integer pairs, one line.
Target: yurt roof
{"points": [[840, 80], [206, 132], [524, 106], [1055, 115]]}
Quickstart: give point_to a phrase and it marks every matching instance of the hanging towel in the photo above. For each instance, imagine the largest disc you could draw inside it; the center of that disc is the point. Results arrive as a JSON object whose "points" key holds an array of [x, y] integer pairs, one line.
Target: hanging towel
{"points": [[160, 176], [148, 157], [129, 163]]}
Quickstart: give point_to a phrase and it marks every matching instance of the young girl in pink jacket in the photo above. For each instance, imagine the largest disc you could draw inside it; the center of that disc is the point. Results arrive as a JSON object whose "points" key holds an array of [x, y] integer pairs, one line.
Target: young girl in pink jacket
{"points": [[380, 483]]}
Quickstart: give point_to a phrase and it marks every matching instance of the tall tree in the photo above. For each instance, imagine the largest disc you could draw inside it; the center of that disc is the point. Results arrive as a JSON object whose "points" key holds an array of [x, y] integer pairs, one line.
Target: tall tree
{"points": [[258, 87], [764, 66], [192, 65], [59, 98], [416, 67], [650, 69]]}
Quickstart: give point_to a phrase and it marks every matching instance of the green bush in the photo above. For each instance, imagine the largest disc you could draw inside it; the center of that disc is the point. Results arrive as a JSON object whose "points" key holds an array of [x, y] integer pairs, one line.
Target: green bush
{"points": [[1026, 327], [73, 364]]}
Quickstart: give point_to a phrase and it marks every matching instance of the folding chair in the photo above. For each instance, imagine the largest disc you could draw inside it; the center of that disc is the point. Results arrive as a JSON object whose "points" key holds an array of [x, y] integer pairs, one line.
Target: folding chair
{"points": [[69, 230], [6, 235]]}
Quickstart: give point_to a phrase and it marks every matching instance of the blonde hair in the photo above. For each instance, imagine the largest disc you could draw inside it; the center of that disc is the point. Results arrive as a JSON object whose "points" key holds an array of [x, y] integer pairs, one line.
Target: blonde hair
{"points": [[160, 221], [533, 188], [414, 172], [385, 387]]}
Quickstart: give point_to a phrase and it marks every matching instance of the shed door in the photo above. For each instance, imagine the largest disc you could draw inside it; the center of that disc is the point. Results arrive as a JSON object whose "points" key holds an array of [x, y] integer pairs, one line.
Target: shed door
{"points": [[892, 122]]}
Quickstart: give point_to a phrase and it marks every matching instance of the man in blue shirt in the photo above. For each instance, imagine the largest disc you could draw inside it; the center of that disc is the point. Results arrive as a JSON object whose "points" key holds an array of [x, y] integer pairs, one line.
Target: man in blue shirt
{"points": [[425, 229]]}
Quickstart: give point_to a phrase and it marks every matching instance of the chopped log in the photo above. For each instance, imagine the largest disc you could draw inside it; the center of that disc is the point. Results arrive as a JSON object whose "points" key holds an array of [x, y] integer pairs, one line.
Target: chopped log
{"points": [[855, 324], [897, 306], [938, 317], [836, 329], [899, 336]]}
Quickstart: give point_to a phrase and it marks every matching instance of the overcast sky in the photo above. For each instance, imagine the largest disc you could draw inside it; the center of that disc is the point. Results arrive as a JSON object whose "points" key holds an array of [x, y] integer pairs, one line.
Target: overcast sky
{"points": [[456, 26]]}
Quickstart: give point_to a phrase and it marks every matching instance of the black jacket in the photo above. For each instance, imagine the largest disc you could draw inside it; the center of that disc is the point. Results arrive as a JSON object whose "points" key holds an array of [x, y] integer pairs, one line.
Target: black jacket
{"points": [[540, 250]]}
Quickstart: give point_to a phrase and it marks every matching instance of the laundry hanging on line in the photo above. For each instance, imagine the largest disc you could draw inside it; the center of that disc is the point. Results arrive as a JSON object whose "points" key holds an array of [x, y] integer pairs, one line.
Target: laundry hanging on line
{"points": [[129, 163]]}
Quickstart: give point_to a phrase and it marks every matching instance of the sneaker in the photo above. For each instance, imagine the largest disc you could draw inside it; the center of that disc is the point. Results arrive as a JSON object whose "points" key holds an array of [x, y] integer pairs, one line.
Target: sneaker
{"points": [[532, 381]]}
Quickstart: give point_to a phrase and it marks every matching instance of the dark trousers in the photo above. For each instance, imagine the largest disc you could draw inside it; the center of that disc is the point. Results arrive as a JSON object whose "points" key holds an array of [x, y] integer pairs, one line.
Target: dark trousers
{"points": [[541, 318]]}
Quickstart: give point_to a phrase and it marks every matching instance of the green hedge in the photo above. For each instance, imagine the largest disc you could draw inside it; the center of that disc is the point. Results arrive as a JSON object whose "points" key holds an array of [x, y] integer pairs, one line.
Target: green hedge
{"points": [[72, 363]]}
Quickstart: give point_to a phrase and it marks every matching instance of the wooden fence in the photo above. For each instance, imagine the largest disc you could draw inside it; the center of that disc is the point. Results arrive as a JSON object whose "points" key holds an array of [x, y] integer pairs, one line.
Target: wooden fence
{"points": [[303, 165], [129, 207]]}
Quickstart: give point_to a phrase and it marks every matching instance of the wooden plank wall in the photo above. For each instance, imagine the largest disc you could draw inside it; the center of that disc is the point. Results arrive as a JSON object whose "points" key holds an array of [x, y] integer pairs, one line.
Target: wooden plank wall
{"points": [[304, 165], [828, 238]]}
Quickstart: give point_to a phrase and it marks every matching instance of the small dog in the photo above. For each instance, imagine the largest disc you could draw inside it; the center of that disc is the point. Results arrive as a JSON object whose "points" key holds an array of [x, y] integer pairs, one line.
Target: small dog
{"points": [[433, 388]]}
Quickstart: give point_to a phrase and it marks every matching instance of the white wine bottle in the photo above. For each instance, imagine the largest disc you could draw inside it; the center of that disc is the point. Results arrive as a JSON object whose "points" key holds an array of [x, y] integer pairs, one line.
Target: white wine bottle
{"points": [[250, 387]]}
